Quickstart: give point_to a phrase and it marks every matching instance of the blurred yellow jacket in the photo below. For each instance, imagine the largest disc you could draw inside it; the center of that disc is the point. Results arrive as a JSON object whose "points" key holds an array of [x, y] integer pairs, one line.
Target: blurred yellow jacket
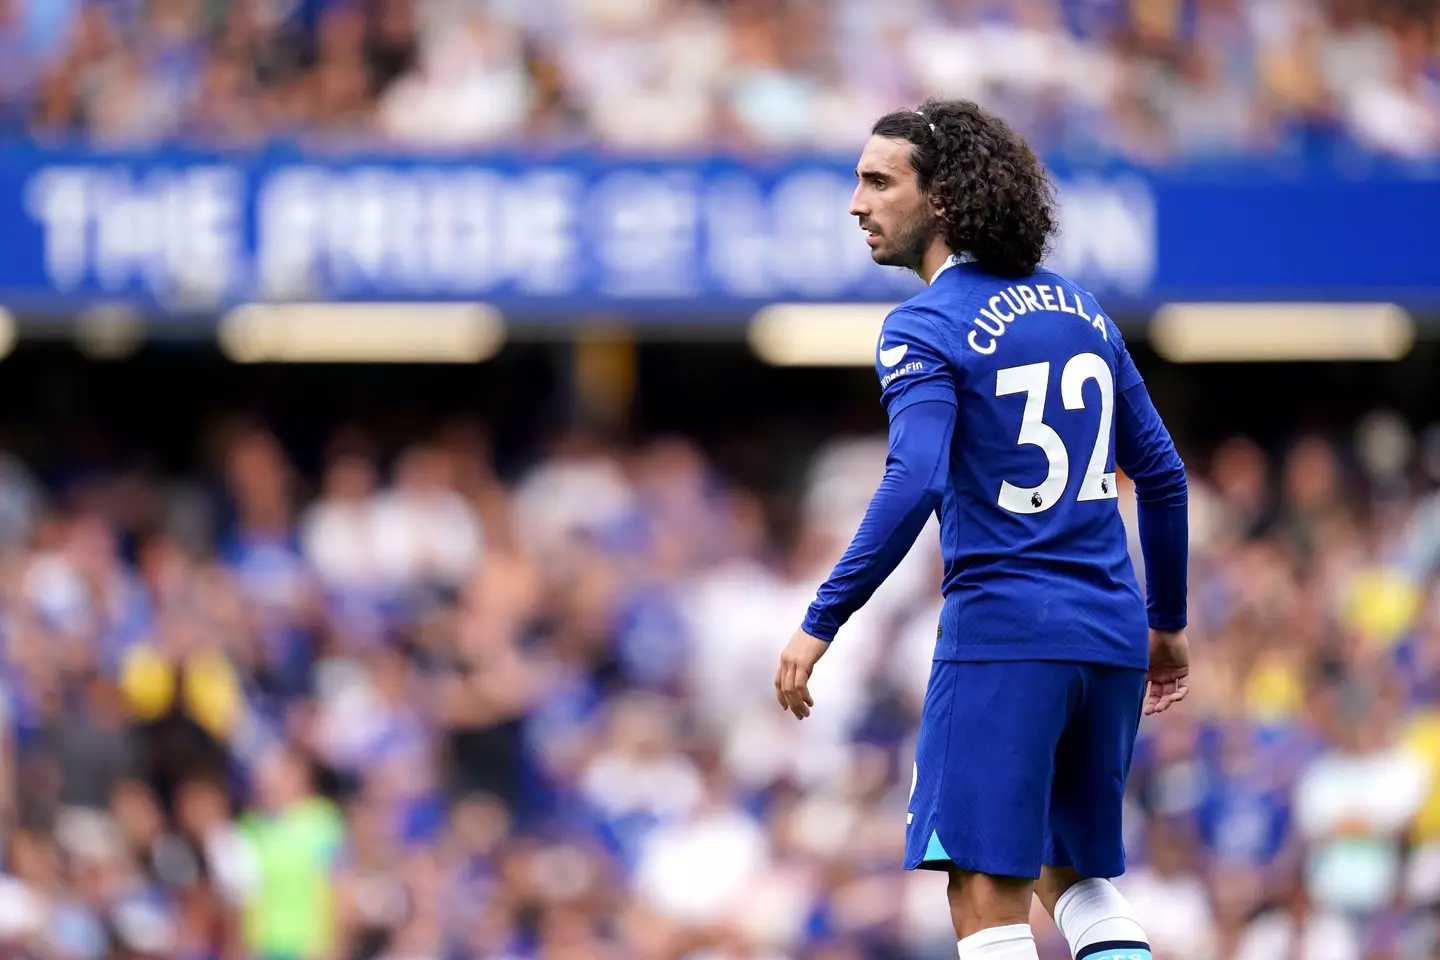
{"points": [[209, 687]]}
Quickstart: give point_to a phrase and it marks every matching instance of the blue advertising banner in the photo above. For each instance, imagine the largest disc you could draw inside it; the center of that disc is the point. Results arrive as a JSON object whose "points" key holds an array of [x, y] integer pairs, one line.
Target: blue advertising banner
{"points": [[562, 238]]}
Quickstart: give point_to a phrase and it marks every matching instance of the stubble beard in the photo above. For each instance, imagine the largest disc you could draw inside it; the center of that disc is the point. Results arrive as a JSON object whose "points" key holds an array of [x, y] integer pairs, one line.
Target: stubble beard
{"points": [[911, 242]]}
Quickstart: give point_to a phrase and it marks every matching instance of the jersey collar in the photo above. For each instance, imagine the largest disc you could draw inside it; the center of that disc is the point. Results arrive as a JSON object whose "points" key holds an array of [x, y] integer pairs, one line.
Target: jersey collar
{"points": [[955, 259]]}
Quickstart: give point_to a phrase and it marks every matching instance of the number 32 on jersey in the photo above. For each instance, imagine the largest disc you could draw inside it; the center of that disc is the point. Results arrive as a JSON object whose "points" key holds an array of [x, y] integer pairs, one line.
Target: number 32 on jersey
{"points": [[1033, 380]]}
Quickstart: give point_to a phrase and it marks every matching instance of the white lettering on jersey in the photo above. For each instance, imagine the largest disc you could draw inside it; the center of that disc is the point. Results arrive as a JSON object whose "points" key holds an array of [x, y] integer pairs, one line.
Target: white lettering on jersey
{"points": [[1022, 300], [1064, 307], [914, 366]]}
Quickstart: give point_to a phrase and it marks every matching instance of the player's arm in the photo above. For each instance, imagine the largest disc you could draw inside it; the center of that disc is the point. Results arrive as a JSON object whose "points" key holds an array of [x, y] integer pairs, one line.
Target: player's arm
{"points": [[1145, 451], [918, 390], [916, 468]]}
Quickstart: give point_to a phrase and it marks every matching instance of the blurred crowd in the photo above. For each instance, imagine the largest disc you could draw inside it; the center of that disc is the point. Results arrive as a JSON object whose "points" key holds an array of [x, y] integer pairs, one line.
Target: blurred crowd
{"points": [[407, 709], [1147, 79]]}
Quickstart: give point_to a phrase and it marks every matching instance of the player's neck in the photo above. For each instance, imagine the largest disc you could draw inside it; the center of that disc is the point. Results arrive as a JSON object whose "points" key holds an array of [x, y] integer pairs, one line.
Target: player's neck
{"points": [[935, 257]]}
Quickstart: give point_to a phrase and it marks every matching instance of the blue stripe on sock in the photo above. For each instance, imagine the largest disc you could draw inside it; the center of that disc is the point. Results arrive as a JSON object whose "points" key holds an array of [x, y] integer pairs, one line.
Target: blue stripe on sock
{"points": [[1115, 951]]}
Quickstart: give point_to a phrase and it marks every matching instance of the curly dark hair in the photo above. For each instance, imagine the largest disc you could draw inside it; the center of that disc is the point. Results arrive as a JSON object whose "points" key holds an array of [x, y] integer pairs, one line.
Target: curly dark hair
{"points": [[996, 201]]}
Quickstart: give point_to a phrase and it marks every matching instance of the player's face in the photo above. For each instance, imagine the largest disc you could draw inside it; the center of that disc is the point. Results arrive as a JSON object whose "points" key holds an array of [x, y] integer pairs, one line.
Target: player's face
{"points": [[896, 216]]}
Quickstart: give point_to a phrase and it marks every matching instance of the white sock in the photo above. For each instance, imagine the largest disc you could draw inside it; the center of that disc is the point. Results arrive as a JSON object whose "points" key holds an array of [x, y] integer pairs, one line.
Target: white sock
{"points": [[1014, 942], [1094, 916]]}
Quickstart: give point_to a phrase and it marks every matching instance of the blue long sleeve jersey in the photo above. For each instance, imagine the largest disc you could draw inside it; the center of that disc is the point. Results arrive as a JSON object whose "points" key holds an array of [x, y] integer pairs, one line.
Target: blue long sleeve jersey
{"points": [[1011, 405]]}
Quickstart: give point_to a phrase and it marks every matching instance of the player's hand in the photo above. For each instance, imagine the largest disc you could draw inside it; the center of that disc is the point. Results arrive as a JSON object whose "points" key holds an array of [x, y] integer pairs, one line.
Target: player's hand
{"points": [[1169, 674], [792, 677]]}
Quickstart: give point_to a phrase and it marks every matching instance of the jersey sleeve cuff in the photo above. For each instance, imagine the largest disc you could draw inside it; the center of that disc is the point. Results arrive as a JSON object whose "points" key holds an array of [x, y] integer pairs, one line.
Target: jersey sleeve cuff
{"points": [[1168, 624], [819, 625]]}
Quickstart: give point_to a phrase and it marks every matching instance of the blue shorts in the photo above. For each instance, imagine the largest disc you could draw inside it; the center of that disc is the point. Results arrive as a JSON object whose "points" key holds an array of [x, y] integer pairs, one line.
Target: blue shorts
{"points": [[1021, 764]]}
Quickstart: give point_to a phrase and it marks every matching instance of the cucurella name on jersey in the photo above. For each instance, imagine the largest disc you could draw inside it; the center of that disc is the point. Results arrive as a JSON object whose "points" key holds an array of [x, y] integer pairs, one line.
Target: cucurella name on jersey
{"points": [[1021, 299]]}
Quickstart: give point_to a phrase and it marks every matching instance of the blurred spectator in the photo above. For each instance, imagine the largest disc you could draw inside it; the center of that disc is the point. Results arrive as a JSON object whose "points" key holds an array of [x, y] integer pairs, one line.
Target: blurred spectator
{"points": [[426, 534], [337, 530], [638, 779], [89, 742], [728, 840], [295, 837], [470, 85], [1353, 805]]}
